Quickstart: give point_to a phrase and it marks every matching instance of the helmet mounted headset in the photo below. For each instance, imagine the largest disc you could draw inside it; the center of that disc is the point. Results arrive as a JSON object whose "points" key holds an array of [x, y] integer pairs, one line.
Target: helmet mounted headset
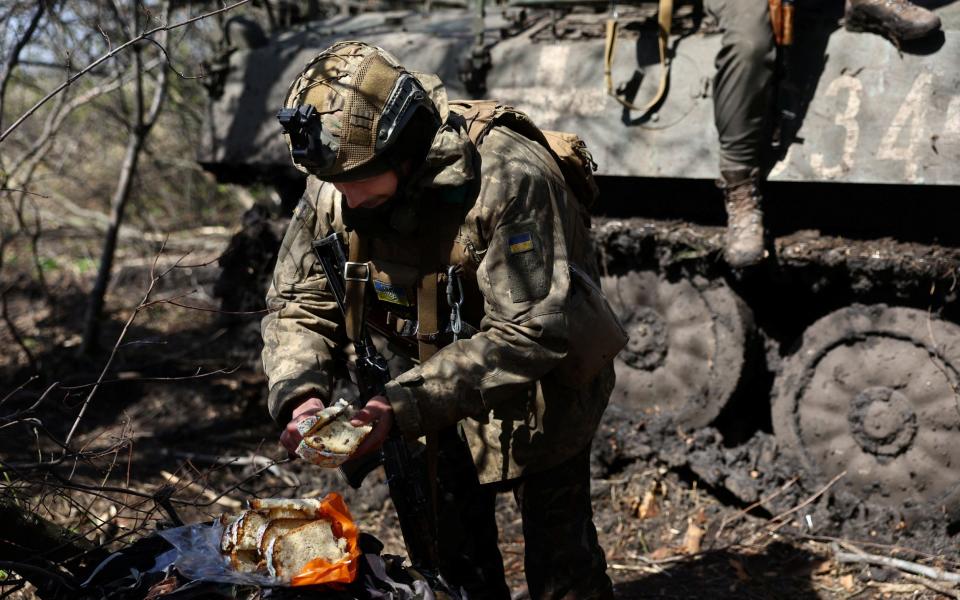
{"points": [[358, 156]]}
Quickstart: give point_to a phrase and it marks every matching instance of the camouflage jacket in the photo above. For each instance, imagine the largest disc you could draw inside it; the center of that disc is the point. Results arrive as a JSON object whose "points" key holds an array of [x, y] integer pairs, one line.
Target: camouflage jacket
{"points": [[516, 229]]}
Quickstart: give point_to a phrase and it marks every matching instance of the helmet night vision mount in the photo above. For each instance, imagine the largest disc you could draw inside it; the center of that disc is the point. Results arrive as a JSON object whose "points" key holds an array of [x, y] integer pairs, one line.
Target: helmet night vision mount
{"points": [[302, 124], [304, 127]]}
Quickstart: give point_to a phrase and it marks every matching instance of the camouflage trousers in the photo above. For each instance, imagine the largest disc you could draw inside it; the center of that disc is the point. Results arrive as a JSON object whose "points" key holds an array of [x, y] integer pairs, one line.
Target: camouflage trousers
{"points": [[743, 85], [562, 556]]}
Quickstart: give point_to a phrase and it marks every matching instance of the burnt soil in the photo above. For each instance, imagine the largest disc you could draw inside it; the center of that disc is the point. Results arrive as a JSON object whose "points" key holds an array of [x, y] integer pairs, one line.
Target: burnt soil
{"points": [[185, 391]]}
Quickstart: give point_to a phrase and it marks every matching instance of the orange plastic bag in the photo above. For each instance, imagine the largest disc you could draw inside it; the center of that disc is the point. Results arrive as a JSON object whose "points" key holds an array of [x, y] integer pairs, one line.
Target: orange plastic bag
{"points": [[319, 571]]}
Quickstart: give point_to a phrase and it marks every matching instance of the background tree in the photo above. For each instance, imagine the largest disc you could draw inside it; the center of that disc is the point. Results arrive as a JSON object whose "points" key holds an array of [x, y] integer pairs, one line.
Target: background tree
{"points": [[139, 124]]}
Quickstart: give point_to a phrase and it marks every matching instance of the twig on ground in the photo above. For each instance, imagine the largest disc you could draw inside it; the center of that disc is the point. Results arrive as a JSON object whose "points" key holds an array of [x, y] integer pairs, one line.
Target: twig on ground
{"points": [[644, 568], [861, 557], [782, 518], [891, 547], [949, 593], [756, 504]]}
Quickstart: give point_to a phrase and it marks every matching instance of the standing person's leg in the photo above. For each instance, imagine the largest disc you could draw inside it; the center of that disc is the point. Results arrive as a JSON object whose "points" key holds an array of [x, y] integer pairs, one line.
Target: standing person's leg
{"points": [[742, 101], [562, 556], [466, 524]]}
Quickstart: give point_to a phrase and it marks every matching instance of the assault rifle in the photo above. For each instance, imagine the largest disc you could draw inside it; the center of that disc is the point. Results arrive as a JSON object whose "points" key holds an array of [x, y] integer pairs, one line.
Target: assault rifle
{"points": [[406, 474]]}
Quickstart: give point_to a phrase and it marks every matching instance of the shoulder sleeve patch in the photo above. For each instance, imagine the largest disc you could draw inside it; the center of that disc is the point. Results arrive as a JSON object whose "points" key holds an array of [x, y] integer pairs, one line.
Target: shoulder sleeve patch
{"points": [[526, 276], [521, 242]]}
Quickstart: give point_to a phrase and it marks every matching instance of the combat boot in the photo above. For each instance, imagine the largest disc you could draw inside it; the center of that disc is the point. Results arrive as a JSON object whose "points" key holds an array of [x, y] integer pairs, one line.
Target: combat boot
{"points": [[743, 242], [899, 20]]}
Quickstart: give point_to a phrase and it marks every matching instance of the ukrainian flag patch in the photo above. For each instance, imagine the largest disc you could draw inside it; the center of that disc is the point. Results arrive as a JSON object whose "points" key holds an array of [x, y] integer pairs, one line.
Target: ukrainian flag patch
{"points": [[521, 242], [390, 293]]}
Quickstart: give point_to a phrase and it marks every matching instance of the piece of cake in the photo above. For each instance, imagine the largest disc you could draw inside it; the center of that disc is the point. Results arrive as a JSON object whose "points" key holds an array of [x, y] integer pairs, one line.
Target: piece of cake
{"points": [[288, 554], [328, 437]]}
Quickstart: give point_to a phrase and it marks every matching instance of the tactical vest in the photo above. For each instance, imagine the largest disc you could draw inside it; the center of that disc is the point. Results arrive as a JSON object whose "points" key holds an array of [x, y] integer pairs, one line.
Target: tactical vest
{"points": [[419, 284]]}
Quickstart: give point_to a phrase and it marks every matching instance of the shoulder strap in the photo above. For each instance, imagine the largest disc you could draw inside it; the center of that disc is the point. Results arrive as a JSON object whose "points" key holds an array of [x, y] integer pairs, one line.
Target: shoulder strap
{"points": [[567, 149], [664, 21]]}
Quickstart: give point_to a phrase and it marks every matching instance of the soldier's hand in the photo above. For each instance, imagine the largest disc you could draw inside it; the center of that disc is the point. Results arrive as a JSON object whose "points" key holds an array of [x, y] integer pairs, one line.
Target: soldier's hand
{"points": [[290, 438], [377, 411]]}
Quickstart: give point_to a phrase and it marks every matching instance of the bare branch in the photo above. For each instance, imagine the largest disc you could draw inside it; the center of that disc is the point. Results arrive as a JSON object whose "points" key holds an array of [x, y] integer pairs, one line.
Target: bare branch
{"points": [[14, 332], [8, 190], [45, 574], [113, 353], [198, 375], [109, 55], [33, 406], [14, 57], [19, 388]]}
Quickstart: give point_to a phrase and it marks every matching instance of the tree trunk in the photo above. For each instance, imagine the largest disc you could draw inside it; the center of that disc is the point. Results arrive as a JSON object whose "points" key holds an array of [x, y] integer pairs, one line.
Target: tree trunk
{"points": [[91, 330], [143, 122]]}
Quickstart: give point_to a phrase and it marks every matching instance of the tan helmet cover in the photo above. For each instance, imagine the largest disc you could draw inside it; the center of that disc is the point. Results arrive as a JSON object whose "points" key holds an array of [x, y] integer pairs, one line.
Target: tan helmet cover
{"points": [[349, 85]]}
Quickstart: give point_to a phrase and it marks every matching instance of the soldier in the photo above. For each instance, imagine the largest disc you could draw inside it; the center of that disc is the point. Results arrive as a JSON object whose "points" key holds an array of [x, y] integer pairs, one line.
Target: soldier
{"points": [[434, 197], [742, 99]]}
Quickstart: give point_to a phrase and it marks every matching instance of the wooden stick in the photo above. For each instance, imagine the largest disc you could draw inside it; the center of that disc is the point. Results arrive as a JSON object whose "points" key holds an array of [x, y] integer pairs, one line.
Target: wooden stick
{"points": [[930, 585], [910, 567]]}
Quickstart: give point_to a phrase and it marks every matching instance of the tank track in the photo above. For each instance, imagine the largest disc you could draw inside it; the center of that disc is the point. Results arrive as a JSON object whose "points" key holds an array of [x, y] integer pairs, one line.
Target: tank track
{"points": [[876, 293]]}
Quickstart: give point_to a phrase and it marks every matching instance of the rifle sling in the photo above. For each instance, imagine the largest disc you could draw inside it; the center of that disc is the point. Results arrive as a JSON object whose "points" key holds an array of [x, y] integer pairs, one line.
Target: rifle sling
{"points": [[356, 279], [429, 327], [356, 276]]}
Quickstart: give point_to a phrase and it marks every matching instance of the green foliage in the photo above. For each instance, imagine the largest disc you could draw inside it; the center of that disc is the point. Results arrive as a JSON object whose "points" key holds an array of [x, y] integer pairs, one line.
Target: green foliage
{"points": [[48, 264], [85, 265]]}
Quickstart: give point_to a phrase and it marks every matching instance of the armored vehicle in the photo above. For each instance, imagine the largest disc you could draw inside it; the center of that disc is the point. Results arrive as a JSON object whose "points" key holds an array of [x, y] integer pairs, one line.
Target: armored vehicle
{"points": [[841, 352]]}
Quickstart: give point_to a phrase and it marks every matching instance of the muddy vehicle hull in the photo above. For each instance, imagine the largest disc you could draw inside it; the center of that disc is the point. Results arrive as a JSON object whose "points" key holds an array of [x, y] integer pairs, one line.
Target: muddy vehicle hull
{"points": [[837, 360], [866, 112]]}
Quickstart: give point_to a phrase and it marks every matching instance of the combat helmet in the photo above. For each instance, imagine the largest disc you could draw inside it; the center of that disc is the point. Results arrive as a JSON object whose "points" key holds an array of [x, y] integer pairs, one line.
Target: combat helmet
{"points": [[344, 114]]}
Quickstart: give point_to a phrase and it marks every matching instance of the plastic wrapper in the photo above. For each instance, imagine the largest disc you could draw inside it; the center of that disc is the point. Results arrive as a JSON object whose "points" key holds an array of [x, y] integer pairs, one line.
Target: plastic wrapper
{"points": [[199, 556]]}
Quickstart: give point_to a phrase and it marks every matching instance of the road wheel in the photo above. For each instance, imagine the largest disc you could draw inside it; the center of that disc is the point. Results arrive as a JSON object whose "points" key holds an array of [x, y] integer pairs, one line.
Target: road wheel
{"points": [[873, 391], [687, 345]]}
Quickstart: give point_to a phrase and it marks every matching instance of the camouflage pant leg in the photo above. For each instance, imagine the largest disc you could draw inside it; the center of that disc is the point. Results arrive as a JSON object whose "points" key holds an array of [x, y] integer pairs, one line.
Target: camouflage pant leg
{"points": [[743, 84], [467, 526], [562, 556]]}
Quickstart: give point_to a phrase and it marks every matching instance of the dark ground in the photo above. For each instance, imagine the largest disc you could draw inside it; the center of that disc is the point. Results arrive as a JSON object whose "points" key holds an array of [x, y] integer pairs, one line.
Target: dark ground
{"points": [[186, 392]]}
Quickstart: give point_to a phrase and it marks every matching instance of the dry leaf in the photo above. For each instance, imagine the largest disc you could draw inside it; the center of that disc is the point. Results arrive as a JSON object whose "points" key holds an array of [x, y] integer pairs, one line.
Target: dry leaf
{"points": [[738, 569], [692, 538], [823, 567], [662, 552], [701, 517], [847, 582], [648, 506]]}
